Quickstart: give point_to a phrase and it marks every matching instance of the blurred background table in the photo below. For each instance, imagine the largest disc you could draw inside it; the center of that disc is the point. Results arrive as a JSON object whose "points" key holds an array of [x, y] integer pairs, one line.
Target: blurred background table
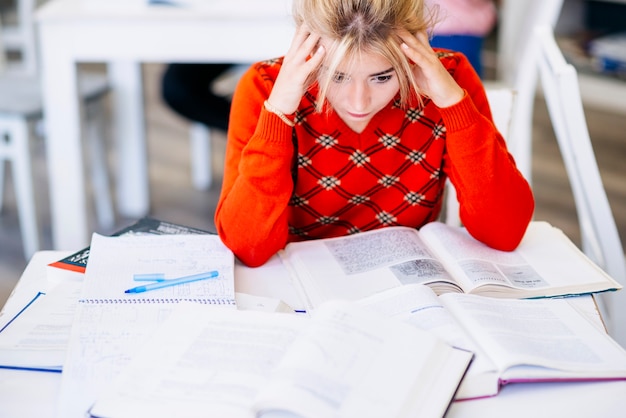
{"points": [[123, 35]]}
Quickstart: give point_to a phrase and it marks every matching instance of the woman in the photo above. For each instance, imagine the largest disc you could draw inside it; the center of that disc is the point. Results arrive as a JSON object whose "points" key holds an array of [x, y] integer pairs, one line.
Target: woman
{"points": [[357, 127]]}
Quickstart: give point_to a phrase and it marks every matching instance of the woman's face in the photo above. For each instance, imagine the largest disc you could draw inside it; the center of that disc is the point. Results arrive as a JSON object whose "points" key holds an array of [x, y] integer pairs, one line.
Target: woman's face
{"points": [[359, 90]]}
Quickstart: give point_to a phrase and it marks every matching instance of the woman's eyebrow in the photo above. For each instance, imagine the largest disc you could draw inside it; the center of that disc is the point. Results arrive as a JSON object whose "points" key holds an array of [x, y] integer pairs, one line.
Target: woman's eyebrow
{"points": [[388, 70]]}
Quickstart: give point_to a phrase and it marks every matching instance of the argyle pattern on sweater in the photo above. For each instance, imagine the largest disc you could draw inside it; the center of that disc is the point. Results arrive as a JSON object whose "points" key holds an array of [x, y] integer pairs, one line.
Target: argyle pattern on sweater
{"points": [[390, 174]]}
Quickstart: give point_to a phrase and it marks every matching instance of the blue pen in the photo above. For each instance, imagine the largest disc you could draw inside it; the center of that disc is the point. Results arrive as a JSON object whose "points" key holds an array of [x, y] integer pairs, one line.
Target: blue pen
{"points": [[174, 282], [149, 277]]}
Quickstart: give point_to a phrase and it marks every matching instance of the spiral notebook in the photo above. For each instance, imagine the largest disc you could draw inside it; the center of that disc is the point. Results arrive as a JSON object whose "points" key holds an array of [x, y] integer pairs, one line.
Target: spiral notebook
{"points": [[118, 264], [109, 324]]}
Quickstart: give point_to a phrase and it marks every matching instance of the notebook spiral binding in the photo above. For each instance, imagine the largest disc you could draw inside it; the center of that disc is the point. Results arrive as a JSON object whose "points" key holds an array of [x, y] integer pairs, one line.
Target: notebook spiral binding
{"points": [[160, 301]]}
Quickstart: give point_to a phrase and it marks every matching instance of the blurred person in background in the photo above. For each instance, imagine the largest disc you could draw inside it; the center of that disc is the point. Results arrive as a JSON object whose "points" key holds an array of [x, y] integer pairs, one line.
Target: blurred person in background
{"points": [[188, 90], [462, 25]]}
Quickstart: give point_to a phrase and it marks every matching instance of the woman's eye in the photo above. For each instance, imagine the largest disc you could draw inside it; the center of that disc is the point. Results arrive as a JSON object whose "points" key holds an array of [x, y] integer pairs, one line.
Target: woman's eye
{"points": [[340, 78], [382, 78]]}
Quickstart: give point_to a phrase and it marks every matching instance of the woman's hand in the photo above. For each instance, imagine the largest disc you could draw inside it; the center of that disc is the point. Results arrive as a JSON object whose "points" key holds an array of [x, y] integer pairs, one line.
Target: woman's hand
{"points": [[304, 56], [431, 76]]}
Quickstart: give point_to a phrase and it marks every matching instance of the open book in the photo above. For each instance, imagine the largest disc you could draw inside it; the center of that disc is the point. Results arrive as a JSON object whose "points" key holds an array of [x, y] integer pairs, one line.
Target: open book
{"points": [[344, 361], [37, 317], [447, 259], [38, 338], [515, 340]]}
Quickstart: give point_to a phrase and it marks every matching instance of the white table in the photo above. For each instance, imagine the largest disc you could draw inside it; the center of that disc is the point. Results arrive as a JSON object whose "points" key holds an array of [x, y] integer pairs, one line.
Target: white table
{"points": [[125, 34], [27, 394]]}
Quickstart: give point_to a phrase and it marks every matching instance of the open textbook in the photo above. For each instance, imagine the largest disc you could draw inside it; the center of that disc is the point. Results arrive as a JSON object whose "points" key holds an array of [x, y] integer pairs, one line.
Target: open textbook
{"points": [[38, 339], [447, 259], [514, 340], [37, 317], [344, 361]]}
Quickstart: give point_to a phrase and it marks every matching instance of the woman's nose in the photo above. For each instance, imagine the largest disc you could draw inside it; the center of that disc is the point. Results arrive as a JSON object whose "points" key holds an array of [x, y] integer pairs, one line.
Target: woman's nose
{"points": [[359, 97]]}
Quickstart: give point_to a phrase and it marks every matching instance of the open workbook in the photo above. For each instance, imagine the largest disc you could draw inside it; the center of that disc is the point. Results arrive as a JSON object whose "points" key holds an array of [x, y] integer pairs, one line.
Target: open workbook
{"points": [[447, 259], [344, 361], [514, 340]]}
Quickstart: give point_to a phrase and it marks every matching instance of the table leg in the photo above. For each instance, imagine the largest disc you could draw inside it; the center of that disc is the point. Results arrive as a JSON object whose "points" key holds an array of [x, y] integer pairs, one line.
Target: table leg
{"points": [[63, 141], [128, 116]]}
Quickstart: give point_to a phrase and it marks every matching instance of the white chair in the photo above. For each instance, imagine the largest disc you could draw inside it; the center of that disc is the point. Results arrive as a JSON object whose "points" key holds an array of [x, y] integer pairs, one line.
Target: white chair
{"points": [[200, 156], [516, 68], [21, 116], [501, 102], [516, 78], [599, 234]]}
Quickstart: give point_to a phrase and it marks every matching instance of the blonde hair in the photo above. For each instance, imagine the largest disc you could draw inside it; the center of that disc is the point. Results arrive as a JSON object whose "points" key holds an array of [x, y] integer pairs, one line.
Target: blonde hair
{"points": [[355, 26]]}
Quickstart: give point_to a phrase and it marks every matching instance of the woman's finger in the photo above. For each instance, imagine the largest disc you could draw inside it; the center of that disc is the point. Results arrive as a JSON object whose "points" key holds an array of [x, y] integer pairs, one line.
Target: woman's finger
{"points": [[303, 44], [417, 47], [300, 36], [304, 56]]}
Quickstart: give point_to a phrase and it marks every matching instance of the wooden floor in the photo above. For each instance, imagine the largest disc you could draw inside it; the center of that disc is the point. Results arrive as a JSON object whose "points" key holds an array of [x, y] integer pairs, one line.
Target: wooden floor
{"points": [[173, 197]]}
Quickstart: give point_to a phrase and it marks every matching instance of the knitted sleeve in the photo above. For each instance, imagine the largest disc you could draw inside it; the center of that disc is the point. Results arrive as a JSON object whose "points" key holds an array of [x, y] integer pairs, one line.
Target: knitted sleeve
{"points": [[251, 215], [496, 202]]}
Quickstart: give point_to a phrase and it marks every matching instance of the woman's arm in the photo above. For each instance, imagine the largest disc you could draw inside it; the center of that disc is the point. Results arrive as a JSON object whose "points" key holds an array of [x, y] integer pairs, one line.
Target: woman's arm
{"points": [[496, 202], [251, 215]]}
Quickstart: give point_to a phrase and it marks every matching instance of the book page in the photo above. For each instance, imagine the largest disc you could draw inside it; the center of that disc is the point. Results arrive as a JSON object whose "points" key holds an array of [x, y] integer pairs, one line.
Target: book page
{"points": [[214, 365], [359, 265], [237, 364], [548, 336], [102, 341], [37, 338], [352, 362], [272, 280], [33, 281], [115, 261], [546, 263], [419, 306]]}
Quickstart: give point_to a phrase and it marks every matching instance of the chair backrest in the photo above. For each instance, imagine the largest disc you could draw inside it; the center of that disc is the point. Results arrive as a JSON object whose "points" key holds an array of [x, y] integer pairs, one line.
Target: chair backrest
{"points": [[517, 68], [501, 101], [599, 235], [517, 21]]}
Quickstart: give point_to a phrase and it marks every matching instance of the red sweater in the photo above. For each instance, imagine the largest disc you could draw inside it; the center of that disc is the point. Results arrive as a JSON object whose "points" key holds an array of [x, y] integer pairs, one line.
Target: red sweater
{"points": [[321, 179]]}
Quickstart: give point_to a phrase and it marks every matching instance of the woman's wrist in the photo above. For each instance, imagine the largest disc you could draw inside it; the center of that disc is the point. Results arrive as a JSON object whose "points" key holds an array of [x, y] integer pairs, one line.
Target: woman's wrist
{"points": [[273, 109]]}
